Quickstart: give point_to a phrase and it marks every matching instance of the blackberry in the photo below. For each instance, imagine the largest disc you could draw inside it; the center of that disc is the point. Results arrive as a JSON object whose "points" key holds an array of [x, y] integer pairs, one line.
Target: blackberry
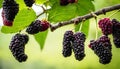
{"points": [[116, 33], [78, 45], [106, 26], [106, 42], [67, 44], [116, 28], [5, 21], [10, 9], [101, 51], [34, 27], [64, 2], [17, 46], [37, 26], [116, 42], [29, 3]]}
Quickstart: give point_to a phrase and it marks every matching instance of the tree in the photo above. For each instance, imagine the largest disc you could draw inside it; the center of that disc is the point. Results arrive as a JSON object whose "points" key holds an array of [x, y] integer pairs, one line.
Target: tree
{"points": [[77, 13]]}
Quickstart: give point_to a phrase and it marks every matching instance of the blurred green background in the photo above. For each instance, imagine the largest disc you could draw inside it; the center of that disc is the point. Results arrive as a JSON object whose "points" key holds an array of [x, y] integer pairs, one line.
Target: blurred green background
{"points": [[51, 56]]}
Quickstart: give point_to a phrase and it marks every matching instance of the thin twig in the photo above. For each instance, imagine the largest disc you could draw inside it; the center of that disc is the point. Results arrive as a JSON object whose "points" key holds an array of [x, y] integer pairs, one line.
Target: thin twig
{"points": [[86, 17]]}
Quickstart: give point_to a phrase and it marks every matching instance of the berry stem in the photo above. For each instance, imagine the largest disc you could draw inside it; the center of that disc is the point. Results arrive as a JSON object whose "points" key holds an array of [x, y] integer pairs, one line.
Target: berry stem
{"points": [[96, 29], [44, 10], [81, 25]]}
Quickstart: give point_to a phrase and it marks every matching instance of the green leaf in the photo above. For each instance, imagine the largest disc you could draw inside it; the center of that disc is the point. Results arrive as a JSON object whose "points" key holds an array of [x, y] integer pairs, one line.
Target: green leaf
{"points": [[58, 13], [1, 1], [52, 2], [21, 21], [40, 38], [40, 1], [21, 4], [84, 29], [63, 13]]}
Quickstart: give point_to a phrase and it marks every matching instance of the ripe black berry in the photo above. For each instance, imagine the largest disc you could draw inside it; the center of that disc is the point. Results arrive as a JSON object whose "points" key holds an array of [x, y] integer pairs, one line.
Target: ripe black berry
{"points": [[101, 51], [10, 9], [116, 42], [78, 45], [67, 44], [17, 47], [106, 26], [116, 33], [37, 26], [29, 3], [64, 2], [105, 40], [34, 27]]}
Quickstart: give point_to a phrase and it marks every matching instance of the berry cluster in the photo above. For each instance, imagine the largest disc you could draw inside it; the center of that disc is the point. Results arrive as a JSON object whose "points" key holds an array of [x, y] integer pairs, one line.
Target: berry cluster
{"points": [[106, 26], [29, 3], [78, 45], [111, 27], [102, 46], [67, 44], [116, 33], [17, 47], [101, 50], [66, 2], [37, 26], [10, 10], [75, 42]]}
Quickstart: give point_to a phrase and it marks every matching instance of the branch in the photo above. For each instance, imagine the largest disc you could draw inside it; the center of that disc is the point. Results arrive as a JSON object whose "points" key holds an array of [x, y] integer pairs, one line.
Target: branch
{"points": [[85, 17]]}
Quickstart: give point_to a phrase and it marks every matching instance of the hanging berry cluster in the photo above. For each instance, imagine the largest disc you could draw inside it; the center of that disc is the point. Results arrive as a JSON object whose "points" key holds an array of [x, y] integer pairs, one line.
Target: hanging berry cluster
{"points": [[10, 10], [17, 46], [102, 47], [19, 41], [75, 42], [72, 42]]}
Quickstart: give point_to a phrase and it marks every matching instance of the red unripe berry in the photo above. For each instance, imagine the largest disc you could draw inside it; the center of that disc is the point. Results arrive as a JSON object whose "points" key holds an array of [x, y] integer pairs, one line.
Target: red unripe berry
{"points": [[44, 25]]}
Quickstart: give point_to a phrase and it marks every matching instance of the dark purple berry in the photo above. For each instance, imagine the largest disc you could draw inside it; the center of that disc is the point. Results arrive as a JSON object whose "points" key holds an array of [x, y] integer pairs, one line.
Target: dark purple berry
{"points": [[64, 2], [29, 3], [34, 27], [37, 26], [67, 44], [116, 42], [5, 21], [116, 33], [17, 46], [101, 49], [106, 26], [78, 45], [106, 42], [10, 10]]}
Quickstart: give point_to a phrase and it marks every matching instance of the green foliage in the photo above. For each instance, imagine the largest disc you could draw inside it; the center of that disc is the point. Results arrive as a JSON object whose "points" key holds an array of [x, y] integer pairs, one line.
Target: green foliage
{"points": [[40, 1], [85, 27], [1, 1], [40, 38], [63, 13], [22, 20]]}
